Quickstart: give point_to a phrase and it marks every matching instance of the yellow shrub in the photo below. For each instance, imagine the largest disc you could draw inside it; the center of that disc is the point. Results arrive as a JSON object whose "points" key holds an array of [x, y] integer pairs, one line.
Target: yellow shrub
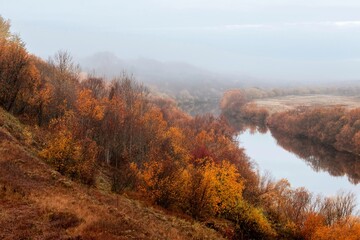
{"points": [[70, 156]]}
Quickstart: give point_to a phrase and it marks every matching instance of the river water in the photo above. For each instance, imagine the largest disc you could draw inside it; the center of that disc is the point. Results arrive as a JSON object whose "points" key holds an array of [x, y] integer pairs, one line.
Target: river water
{"points": [[304, 164]]}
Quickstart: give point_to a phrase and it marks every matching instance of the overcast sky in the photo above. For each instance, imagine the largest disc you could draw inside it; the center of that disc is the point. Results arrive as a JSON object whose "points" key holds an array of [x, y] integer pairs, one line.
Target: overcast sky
{"points": [[278, 39]]}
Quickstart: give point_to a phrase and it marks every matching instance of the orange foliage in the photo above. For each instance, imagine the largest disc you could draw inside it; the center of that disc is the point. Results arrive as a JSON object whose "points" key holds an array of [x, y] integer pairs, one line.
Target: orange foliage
{"points": [[333, 126], [67, 153], [313, 222], [89, 107], [349, 230], [19, 77], [233, 100]]}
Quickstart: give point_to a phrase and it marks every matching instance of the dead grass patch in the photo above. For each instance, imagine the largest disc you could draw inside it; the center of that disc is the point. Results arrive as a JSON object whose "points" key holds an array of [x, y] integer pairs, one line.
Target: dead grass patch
{"points": [[279, 104]]}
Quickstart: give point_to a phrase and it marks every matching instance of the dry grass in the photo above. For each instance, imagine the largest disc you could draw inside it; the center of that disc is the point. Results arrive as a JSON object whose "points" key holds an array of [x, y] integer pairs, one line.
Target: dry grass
{"points": [[39, 203], [290, 102]]}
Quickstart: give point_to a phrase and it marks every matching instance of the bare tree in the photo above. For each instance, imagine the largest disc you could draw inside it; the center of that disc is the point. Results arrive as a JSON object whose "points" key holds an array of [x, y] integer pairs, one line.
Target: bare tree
{"points": [[338, 208]]}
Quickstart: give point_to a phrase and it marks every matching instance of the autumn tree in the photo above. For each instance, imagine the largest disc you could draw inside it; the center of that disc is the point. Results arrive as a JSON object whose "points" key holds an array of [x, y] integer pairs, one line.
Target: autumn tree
{"points": [[232, 102], [349, 230], [5, 32], [338, 208], [19, 77], [64, 77], [70, 153], [333, 126], [96, 85], [216, 189], [44, 103], [170, 111], [121, 128], [167, 156], [90, 112]]}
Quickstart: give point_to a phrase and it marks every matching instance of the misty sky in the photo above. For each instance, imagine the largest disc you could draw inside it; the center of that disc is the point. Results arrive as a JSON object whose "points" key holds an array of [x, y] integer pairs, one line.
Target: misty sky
{"points": [[278, 39]]}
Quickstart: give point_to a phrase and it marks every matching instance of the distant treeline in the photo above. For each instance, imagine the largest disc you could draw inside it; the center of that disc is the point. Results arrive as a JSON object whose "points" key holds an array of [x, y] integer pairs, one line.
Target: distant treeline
{"points": [[236, 107], [259, 93], [334, 126]]}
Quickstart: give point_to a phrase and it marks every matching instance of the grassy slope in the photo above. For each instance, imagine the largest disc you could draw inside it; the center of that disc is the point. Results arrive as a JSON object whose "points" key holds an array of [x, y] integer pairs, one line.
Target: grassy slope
{"points": [[36, 202]]}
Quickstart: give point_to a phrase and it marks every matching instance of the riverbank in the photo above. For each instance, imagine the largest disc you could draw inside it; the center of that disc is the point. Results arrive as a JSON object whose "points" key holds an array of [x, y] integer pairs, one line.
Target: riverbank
{"points": [[302, 163]]}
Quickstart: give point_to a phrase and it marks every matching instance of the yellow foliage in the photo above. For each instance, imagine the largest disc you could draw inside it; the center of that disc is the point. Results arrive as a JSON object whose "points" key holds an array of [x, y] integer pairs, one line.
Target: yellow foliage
{"points": [[162, 185], [70, 156], [88, 106], [154, 131], [62, 151], [208, 189], [177, 144], [252, 222], [225, 189], [211, 189]]}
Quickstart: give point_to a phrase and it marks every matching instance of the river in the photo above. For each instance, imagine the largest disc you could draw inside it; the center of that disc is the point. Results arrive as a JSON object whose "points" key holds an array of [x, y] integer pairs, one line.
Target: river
{"points": [[303, 163]]}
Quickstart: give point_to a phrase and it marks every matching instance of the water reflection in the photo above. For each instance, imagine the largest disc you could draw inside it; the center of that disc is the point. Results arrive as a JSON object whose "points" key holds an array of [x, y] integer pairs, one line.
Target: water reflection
{"points": [[304, 164], [321, 157], [248, 126]]}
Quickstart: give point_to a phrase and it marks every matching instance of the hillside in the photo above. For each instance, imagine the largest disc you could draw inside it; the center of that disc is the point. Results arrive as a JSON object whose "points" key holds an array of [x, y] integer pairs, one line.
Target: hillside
{"points": [[86, 158], [39, 203]]}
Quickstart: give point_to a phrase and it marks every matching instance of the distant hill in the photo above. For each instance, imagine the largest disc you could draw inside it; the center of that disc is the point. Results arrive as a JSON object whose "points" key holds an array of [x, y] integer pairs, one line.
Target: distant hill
{"points": [[197, 90]]}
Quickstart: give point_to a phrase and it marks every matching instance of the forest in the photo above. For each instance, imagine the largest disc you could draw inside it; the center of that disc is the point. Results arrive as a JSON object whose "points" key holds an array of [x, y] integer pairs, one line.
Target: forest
{"points": [[151, 150], [336, 127]]}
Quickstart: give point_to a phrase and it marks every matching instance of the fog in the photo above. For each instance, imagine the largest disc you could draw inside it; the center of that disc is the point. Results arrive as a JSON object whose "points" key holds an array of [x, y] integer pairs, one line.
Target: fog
{"points": [[273, 40]]}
